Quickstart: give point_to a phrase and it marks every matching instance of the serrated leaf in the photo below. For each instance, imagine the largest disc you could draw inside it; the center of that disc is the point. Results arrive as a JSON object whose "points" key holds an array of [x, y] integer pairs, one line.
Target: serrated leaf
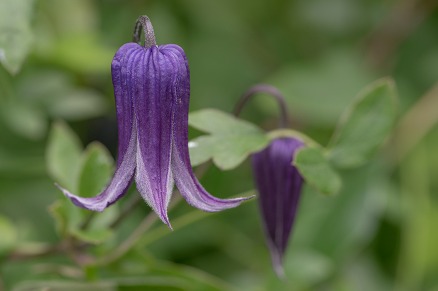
{"points": [[365, 125], [96, 170], [316, 171], [230, 142], [63, 156], [15, 33]]}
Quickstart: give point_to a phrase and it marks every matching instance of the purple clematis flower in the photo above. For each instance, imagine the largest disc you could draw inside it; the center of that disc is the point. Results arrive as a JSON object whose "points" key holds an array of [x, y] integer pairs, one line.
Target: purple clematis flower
{"points": [[152, 91], [279, 185]]}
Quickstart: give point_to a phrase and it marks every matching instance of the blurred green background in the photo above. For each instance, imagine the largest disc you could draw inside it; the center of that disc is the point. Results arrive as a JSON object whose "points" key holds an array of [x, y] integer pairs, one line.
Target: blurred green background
{"points": [[379, 233]]}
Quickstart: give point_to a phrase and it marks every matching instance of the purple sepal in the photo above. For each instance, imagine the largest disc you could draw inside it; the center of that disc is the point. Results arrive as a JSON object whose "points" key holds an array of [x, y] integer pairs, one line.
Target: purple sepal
{"points": [[152, 93], [279, 185]]}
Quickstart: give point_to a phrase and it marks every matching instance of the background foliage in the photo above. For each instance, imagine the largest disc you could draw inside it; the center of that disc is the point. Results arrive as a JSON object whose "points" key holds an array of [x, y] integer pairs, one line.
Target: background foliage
{"points": [[378, 233]]}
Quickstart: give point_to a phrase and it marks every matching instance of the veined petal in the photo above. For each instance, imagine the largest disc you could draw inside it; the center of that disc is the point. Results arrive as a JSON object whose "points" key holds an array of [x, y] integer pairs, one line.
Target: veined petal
{"points": [[121, 67], [154, 83], [185, 179], [279, 185], [118, 185]]}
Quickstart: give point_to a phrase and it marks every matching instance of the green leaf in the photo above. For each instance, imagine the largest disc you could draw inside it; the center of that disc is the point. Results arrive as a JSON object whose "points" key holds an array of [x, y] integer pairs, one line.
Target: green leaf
{"points": [[316, 92], [365, 125], [63, 156], [95, 236], [8, 235], [317, 171], [82, 53], [15, 33], [67, 216], [24, 119], [65, 286], [96, 170], [230, 141], [77, 105]]}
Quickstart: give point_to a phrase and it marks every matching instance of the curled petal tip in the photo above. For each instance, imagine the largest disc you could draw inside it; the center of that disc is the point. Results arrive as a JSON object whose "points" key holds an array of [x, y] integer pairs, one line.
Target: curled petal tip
{"points": [[86, 203]]}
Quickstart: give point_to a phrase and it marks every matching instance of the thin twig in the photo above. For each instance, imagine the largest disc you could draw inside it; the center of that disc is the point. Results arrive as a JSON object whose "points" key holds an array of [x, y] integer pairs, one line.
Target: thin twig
{"points": [[24, 254], [267, 89], [128, 209]]}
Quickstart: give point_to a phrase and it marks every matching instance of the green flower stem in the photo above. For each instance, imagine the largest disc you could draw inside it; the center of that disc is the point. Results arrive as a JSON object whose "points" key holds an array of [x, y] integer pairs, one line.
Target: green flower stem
{"points": [[133, 203], [146, 224], [182, 222], [137, 235]]}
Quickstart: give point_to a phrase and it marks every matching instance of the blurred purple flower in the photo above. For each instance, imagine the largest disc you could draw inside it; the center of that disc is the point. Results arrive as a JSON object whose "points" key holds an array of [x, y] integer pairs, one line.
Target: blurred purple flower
{"points": [[152, 91], [279, 185]]}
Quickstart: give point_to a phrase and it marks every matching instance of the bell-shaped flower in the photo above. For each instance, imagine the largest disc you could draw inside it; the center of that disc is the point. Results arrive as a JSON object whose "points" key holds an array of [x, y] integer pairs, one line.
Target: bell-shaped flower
{"points": [[279, 185], [152, 91]]}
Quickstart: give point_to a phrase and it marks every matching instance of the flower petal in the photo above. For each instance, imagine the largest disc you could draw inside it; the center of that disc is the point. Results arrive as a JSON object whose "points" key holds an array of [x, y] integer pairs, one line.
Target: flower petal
{"points": [[118, 185], [122, 64], [154, 84], [185, 179], [279, 185]]}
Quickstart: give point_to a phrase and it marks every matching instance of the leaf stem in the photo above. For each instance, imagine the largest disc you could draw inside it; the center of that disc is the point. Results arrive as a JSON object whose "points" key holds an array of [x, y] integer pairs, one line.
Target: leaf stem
{"points": [[131, 205]]}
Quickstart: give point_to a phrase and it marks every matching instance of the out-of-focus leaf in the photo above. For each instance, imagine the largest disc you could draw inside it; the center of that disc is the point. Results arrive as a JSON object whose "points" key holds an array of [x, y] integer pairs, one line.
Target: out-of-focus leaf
{"points": [[8, 235], [65, 286], [84, 173], [83, 53], [55, 94], [15, 33], [317, 92], [316, 170], [94, 236], [162, 274], [230, 141], [365, 125], [63, 156], [82, 16], [96, 170], [24, 119], [304, 267], [77, 105], [67, 216], [341, 226]]}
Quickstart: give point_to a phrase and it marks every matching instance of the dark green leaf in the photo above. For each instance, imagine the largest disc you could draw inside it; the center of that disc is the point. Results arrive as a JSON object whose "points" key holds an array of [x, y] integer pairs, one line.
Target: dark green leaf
{"points": [[365, 126], [230, 141], [317, 171]]}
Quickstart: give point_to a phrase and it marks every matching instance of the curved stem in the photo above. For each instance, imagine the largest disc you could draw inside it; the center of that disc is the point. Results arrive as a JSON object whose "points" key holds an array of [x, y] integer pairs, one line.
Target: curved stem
{"points": [[144, 23], [268, 89]]}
